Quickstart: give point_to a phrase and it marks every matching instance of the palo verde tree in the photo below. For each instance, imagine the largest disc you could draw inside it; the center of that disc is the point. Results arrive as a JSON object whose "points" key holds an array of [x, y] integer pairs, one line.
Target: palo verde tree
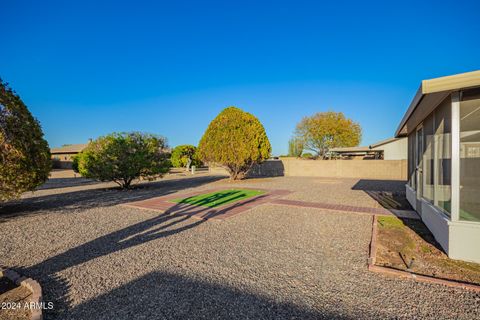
{"points": [[236, 140], [326, 130], [24, 154], [182, 153], [123, 157]]}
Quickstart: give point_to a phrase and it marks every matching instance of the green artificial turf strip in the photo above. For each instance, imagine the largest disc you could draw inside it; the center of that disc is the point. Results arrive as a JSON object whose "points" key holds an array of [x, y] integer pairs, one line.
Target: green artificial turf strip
{"points": [[219, 198]]}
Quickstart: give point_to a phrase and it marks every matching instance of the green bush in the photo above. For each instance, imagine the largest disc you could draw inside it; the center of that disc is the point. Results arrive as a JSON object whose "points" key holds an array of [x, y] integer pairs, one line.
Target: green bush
{"points": [[24, 154], [123, 157], [75, 160], [235, 140], [182, 153], [307, 155]]}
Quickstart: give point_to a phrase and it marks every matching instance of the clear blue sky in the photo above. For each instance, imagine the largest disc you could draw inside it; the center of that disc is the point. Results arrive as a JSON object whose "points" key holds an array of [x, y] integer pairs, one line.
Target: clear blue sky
{"points": [[86, 68]]}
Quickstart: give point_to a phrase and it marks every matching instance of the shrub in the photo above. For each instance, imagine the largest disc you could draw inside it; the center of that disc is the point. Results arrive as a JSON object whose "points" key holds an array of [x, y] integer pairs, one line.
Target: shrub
{"points": [[307, 155], [182, 153], [75, 160], [123, 157], [24, 154], [235, 140]]}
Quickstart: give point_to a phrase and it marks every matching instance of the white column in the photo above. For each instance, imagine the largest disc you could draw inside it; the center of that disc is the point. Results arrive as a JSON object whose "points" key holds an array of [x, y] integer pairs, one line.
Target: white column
{"points": [[455, 156]]}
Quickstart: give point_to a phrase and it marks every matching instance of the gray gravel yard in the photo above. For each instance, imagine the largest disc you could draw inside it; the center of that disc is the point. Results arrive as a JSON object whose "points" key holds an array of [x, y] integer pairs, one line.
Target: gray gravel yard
{"points": [[97, 259]]}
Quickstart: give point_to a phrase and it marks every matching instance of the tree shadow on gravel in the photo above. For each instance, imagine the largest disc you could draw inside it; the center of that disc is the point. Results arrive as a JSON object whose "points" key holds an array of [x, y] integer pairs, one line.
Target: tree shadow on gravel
{"points": [[177, 219], [160, 295], [99, 197], [55, 183], [390, 194]]}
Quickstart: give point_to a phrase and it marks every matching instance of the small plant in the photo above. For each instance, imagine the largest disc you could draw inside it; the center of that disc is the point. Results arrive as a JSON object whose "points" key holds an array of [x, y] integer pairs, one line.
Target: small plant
{"points": [[307, 155], [123, 157]]}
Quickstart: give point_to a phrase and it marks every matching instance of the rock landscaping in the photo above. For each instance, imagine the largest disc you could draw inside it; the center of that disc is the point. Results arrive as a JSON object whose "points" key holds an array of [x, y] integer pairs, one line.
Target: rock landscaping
{"points": [[96, 258]]}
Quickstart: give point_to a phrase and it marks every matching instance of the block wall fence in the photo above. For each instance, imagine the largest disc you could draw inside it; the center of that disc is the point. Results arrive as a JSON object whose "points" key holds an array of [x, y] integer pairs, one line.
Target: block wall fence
{"points": [[363, 169]]}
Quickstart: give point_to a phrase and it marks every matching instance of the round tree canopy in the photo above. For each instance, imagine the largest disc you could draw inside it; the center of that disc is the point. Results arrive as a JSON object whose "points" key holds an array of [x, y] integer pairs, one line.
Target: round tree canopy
{"points": [[236, 140]]}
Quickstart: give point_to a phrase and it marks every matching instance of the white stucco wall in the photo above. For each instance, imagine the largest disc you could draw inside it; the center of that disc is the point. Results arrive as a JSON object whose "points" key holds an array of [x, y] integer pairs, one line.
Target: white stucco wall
{"points": [[395, 150]]}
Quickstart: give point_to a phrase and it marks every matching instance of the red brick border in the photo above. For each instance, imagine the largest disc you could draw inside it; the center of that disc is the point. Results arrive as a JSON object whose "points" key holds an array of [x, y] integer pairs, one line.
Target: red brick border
{"points": [[164, 204], [31, 285], [408, 275]]}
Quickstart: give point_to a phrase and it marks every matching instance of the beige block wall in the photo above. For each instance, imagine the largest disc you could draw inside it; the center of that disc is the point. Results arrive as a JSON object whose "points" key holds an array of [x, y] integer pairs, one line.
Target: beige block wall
{"points": [[367, 169]]}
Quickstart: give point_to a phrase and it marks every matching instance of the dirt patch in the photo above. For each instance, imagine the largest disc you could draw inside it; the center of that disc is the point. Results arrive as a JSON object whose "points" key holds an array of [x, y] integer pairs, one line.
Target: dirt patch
{"points": [[12, 300], [408, 245]]}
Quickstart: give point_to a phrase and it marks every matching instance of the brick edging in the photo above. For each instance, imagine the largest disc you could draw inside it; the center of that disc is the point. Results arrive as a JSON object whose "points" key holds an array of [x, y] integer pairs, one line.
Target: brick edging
{"points": [[33, 286], [409, 275]]}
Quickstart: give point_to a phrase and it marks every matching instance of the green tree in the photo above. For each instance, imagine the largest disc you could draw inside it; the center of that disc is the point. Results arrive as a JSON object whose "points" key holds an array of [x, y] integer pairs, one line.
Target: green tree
{"points": [[295, 147], [326, 130], [24, 154], [235, 140], [182, 153], [123, 157]]}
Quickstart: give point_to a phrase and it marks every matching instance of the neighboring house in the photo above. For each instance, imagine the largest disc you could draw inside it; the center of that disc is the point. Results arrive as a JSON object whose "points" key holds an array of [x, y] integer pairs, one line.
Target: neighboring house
{"points": [[442, 124], [63, 155], [389, 149]]}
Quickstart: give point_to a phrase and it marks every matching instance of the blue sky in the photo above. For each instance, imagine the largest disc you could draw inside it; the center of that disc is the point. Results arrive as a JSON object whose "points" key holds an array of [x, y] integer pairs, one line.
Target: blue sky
{"points": [[86, 69]]}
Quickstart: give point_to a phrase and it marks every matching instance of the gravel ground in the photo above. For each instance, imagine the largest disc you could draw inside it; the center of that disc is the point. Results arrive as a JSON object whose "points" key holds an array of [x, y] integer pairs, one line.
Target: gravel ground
{"points": [[356, 192], [97, 259]]}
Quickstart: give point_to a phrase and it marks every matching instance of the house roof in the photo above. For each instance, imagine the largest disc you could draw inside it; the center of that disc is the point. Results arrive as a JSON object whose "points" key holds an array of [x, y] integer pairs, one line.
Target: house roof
{"points": [[365, 148], [382, 142], [433, 91], [71, 148], [351, 149]]}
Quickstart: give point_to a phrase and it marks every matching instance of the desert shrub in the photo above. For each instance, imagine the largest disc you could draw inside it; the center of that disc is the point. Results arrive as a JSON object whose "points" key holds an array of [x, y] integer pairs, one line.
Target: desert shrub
{"points": [[182, 153], [307, 155], [24, 154], [236, 140], [123, 157]]}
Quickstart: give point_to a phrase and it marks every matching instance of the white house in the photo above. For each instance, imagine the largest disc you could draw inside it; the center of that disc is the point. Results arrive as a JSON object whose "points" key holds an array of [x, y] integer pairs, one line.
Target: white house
{"points": [[442, 124]]}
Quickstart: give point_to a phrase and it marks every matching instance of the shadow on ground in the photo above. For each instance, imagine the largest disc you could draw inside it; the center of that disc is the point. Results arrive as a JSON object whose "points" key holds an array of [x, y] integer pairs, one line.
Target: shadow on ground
{"points": [[55, 183], [161, 295], [390, 194], [98, 197], [175, 220]]}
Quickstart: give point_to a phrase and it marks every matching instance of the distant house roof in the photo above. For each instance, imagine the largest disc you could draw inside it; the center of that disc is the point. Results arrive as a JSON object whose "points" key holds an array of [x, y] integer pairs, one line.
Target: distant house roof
{"points": [[72, 148], [382, 142], [365, 148], [351, 149], [432, 92]]}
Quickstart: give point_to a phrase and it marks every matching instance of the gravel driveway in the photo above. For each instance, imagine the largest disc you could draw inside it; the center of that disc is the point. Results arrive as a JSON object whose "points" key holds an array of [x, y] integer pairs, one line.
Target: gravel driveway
{"points": [[97, 259]]}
